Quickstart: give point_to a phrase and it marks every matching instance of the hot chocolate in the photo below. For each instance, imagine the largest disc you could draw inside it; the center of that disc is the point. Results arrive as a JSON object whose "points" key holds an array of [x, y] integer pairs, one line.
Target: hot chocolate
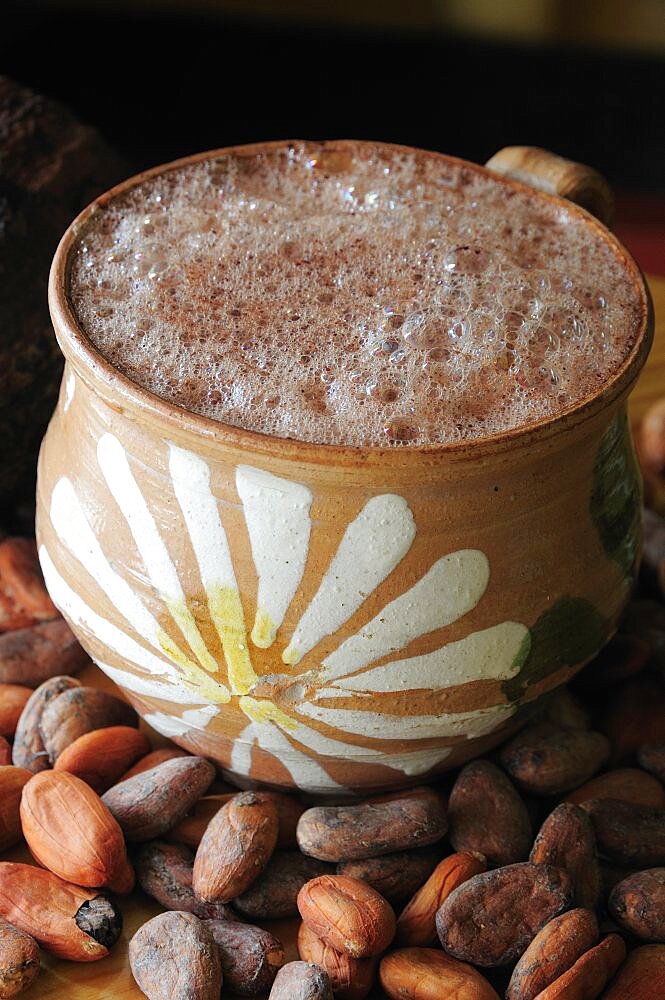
{"points": [[353, 293]]}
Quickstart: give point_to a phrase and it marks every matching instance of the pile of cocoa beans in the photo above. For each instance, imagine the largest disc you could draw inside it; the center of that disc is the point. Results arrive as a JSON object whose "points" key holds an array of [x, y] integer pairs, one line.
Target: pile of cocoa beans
{"points": [[536, 873]]}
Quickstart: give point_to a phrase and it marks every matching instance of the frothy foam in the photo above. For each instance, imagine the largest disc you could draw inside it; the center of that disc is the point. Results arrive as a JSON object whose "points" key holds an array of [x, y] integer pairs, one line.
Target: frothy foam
{"points": [[352, 293]]}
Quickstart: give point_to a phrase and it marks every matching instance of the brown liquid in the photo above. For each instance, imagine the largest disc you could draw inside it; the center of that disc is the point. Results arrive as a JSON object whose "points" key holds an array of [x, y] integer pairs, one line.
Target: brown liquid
{"points": [[353, 293]]}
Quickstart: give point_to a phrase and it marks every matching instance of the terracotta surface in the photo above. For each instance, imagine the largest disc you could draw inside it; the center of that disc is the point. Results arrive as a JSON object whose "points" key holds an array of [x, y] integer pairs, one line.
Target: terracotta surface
{"points": [[111, 979], [333, 619]]}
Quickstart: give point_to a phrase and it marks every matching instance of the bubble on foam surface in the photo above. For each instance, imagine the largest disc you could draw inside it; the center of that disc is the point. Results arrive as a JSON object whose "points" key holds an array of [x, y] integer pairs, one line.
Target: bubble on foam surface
{"points": [[352, 293]]}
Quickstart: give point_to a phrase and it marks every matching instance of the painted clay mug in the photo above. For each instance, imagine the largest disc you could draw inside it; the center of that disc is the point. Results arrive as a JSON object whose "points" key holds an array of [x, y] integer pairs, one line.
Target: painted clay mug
{"points": [[332, 618]]}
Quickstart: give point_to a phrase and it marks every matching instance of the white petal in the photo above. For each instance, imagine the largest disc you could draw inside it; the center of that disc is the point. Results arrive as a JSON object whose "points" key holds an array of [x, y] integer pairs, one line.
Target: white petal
{"points": [[73, 529], [195, 719], [277, 517], [449, 589], [380, 726], [241, 754], [190, 476], [161, 571], [306, 773], [141, 684], [372, 546], [104, 631], [488, 655]]}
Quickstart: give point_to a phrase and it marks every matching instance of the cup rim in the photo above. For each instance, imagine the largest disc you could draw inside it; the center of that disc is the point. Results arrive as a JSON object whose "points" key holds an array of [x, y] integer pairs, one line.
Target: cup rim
{"points": [[113, 385]]}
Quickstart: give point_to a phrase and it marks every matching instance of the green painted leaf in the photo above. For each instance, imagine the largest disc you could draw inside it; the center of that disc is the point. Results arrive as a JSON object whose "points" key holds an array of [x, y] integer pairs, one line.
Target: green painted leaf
{"points": [[567, 634], [616, 496]]}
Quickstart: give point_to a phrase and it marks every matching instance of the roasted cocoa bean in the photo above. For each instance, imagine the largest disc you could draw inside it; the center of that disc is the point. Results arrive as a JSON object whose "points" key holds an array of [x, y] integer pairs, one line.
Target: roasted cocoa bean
{"points": [[486, 815], [79, 710], [379, 826], [624, 657], [148, 804], [274, 895], [628, 784], [301, 981], [23, 597], [638, 904], [251, 957], [394, 876], [164, 871], [651, 756], [545, 760], [492, 918], [34, 654], [29, 750], [634, 714], [566, 840], [19, 960], [174, 955], [629, 834]]}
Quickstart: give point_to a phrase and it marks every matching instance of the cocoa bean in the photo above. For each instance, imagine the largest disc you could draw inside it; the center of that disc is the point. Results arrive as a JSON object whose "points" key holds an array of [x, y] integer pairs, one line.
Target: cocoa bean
{"points": [[429, 974], [13, 699], [250, 956], [29, 750], [19, 960], [591, 972], [5, 752], [562, 709], [164, 871], [379, 826], [638, 904], [645, 619], [416, 925], [351, 978], [23, 597], [566, 840], [34, 654], [235, 847], [394, 876], [492, 918], [274, 895], [174, 955], [629, 834], [624, 657], [348, 914], [79, 710], [545, 760], [626, 783], [553, 951], [634, 714], [486, 815], [301, 981], [148, 804], [651, 756], [642, 975]]}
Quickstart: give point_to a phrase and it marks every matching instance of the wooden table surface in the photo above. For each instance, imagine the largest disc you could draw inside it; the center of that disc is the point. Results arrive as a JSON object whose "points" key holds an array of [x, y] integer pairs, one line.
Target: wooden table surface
{"points": [[111, 979]]}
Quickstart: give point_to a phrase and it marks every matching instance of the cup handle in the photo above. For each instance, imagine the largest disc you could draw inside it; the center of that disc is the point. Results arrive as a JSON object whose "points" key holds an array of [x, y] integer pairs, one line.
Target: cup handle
{"points": [[553, 174]]}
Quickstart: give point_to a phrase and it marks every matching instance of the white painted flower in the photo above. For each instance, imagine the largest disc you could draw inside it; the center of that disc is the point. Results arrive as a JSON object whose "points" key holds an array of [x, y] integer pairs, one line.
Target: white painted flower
{"points": [[334, 695]]}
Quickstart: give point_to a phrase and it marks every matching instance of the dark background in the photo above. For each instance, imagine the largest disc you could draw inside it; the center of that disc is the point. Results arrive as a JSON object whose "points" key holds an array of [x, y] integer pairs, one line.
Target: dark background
{"points": [[164, 83]]}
